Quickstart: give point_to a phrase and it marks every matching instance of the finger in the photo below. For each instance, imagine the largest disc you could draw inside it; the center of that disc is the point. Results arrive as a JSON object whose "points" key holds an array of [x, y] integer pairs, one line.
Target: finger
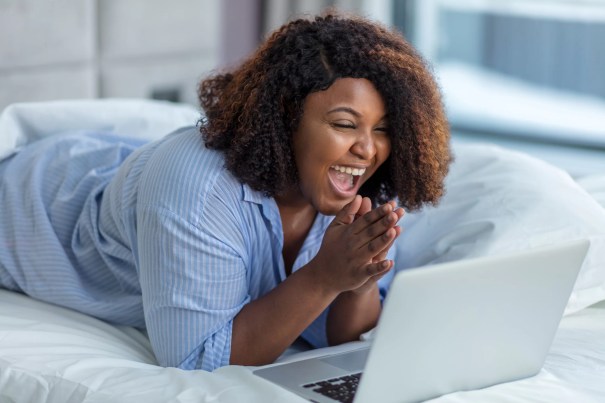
{"points": [[383, 253], [400, 212], [366, 207], [378, 276], [377, 245], [376, 230], [371, 217], [379, 268], [389, 220], [372, 281], [348, 212]]}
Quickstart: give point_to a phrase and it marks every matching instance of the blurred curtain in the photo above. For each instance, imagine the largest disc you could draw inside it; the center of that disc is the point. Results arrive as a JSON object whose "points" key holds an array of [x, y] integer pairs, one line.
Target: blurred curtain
{"points": [[557, 53], [554, 48]]}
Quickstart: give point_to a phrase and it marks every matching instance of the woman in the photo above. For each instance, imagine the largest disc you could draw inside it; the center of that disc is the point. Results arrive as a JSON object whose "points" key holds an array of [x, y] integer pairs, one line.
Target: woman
{"points": [[272, 223]]}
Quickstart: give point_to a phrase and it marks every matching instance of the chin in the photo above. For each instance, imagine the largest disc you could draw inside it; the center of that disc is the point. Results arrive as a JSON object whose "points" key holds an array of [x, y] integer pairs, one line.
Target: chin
{"points": [[332, 207]]}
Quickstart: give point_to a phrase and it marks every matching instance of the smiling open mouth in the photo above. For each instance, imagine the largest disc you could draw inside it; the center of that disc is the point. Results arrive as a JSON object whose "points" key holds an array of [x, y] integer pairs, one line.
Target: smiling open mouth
{"points": [[345, 179]]}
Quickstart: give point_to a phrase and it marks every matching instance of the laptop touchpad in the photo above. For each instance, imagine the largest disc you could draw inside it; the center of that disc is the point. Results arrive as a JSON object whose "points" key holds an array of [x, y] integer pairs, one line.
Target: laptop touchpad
{"points": [[352, 361]]}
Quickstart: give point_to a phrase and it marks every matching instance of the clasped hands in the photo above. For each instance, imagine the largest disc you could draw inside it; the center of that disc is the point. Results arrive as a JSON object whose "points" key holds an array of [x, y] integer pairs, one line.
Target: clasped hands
{"points": [[354, 248]]}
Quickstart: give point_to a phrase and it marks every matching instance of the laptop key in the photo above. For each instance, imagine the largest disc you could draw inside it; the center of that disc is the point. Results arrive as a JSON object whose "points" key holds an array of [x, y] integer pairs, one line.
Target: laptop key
{"points": [[341, 389]]}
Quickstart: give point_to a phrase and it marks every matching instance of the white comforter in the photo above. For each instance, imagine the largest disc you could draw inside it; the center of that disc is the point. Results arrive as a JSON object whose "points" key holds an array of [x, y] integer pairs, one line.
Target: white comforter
{"points": [[497, 201], [50, 354]]}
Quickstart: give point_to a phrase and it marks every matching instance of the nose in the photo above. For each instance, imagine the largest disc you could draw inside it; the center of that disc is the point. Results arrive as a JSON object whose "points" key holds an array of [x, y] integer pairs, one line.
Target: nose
{"points": [[364, 146]]}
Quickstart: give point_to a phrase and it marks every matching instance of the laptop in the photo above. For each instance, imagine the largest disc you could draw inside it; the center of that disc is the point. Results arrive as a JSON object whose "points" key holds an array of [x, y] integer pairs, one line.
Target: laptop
{"points": [[449, 327]]}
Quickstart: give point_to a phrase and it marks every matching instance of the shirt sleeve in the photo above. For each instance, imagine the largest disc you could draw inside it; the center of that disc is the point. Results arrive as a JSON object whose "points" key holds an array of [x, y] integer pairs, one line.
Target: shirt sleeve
{"points": [[385, 282], [315, 334], [193, 283]]}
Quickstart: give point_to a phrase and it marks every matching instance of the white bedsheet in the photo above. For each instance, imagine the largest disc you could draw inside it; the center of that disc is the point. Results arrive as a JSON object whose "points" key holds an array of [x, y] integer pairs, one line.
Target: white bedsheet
{"points": [[497, 201], [51, 354]]}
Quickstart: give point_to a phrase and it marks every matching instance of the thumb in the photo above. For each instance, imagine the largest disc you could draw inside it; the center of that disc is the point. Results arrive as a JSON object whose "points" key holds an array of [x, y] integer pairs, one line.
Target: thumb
{"points": [[348, 212]]}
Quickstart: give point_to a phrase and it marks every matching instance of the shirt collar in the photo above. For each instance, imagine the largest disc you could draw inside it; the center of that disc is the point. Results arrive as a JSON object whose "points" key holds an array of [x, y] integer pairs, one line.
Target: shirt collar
{"points": [[268, 208], [250, 195]]}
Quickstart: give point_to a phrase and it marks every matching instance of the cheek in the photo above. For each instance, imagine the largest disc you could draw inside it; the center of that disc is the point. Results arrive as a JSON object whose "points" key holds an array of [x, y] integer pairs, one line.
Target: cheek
{"points": [[319, 151], [309, 165]]}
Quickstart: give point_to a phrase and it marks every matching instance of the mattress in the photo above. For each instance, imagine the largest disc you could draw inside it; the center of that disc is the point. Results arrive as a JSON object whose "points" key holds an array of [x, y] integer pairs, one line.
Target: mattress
{"points": [[51, 354]]}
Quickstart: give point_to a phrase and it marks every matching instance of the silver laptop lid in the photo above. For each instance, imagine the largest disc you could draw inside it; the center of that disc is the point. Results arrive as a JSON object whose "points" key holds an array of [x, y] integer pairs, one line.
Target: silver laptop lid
{"points": [[469, 324]]}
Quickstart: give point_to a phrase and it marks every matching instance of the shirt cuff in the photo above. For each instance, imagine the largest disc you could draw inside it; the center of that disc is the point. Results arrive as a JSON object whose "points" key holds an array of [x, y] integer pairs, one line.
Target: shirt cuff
{"points": [[213, 353]]}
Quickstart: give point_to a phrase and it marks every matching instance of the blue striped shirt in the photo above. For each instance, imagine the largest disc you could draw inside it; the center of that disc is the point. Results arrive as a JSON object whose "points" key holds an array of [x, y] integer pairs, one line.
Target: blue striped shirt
{"points": [[158, 236]]}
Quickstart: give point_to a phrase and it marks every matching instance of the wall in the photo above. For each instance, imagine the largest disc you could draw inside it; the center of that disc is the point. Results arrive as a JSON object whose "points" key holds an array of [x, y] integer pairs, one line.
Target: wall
{"points": [[58, 49]]}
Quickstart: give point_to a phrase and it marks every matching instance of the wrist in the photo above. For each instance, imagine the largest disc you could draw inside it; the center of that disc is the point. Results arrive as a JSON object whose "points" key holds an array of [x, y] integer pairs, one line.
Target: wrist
{"points": [[352, 314], [364, 292], [319, 279]]}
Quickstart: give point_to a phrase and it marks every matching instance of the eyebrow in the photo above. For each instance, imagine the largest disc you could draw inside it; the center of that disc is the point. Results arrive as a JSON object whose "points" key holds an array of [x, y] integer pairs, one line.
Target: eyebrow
{"points": [[345, 109], [349, 110]]}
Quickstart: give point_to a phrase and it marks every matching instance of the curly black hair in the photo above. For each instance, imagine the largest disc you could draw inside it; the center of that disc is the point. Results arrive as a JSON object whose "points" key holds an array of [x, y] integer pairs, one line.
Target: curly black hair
{"points": [[252, 111]]}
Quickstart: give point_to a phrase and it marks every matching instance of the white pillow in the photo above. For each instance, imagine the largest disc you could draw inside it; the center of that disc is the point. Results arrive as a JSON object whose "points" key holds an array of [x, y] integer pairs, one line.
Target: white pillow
{"points": [[22, 123], [498, 201]]}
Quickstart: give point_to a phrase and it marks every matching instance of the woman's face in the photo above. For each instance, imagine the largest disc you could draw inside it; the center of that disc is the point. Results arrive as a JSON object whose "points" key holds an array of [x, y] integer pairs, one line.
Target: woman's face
{"points": [[340, 142]]}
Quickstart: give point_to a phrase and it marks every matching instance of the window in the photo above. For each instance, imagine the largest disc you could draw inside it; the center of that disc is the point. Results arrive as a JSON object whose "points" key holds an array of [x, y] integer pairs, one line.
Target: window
{"points": [[529, 72]]}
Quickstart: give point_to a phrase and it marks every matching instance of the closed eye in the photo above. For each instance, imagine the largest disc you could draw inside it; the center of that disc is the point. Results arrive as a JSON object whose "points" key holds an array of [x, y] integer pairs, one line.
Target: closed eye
{"points": [[343, 125]]}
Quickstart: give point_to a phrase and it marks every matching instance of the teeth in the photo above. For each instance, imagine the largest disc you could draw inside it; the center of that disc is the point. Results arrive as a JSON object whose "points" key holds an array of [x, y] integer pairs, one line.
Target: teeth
{"points": [[349, 170]]}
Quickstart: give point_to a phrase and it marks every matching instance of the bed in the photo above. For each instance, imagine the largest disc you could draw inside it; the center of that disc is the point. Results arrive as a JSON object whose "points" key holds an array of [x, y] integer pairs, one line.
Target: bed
{"points": [[497, 201]]}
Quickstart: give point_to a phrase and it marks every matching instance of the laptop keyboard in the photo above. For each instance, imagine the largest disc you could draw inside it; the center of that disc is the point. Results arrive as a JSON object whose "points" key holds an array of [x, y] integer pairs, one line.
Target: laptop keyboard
{"points": [[341, 389]]}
